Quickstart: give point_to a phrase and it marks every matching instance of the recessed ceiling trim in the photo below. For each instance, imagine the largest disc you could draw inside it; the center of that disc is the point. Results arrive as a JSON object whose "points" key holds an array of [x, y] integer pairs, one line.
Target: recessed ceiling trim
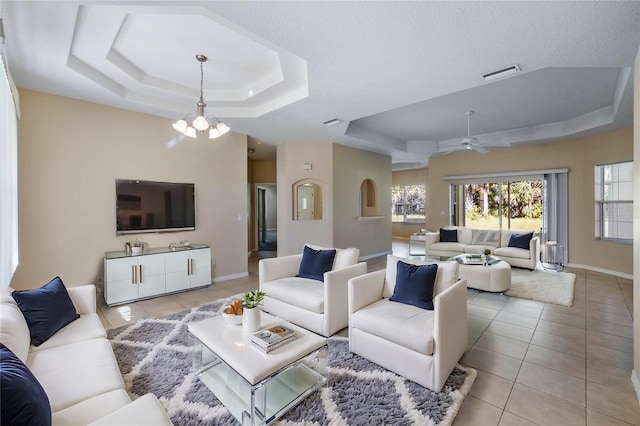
{"points": [[501, 73]]}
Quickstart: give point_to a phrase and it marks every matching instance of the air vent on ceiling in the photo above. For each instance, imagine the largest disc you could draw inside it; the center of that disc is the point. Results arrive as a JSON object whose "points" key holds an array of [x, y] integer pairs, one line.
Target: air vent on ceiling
{"points": [[501, 73], [332, 122]]}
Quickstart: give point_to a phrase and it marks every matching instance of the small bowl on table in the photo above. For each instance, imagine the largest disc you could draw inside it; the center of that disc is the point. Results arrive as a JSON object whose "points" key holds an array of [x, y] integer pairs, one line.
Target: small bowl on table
{"points": [[231, 318]]}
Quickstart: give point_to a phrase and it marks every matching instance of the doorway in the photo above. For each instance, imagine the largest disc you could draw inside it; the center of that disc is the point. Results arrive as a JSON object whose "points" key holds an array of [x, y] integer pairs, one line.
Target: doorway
{"points": [[267, 217]]}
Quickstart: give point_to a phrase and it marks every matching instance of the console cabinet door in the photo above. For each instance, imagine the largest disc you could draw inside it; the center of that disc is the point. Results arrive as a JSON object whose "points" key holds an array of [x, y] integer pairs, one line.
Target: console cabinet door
{"points": [[120, 280], [151, 280], [200, 268], [177, 271]]}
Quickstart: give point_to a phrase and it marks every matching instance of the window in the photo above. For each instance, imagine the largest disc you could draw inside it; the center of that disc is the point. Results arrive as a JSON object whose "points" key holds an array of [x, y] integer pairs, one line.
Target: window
{"points": [[408, 203], [8, 180], [509, 204], [614, 202]]}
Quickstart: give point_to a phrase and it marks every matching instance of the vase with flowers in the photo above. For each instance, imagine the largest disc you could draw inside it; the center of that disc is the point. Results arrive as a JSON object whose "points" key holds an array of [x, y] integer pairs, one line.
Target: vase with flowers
{"points": [[251, 313]]}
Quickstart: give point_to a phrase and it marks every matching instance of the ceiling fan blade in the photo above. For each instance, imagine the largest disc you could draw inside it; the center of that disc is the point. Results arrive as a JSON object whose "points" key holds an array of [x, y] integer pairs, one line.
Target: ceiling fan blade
{"points": [[480, 149]]}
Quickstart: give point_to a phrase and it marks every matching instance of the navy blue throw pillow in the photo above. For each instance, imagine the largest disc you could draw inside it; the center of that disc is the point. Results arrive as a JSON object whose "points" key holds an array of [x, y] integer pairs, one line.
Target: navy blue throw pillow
{"points": [[315, 263], [414, 285], [520, 240], [23, 400], [47, 309], [448, 235]]}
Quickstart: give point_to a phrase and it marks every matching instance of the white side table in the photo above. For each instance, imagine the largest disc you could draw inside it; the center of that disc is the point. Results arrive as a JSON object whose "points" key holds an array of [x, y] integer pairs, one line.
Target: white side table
{"points": [[553, 256], [418, 238]]}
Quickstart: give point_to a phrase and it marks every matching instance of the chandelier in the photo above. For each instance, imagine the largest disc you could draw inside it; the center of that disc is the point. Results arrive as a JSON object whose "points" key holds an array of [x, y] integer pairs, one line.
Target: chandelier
{"points": [[192, 123]]}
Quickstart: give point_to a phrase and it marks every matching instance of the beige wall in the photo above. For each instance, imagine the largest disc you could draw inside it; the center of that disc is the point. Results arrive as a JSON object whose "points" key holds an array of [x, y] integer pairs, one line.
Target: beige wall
{"points": [[636, 228], [350, 168], [69, 155], [579, 156], [409, 177], [293, 234]]}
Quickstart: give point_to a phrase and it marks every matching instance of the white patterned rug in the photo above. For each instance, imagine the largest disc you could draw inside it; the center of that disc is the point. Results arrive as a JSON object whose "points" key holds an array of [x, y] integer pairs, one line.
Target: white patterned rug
{"points": [[543, 286], [153, 356]]}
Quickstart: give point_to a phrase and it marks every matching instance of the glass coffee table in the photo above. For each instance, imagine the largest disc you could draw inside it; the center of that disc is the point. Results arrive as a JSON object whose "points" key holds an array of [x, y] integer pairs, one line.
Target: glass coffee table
{"points": [[256, 387]]}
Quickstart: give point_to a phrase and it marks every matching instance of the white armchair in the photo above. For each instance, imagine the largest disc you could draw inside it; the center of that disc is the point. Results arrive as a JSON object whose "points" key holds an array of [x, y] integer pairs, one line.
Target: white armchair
{"points": [[315, 305], [421, 345]]}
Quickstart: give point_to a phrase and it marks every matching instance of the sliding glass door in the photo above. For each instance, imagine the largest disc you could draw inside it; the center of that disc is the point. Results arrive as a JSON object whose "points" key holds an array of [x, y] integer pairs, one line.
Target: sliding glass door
{"points": [[512, 204]]}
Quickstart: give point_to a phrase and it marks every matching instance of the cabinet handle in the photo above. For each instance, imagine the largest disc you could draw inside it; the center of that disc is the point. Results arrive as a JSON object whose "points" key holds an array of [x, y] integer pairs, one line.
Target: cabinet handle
{"points": [[140, 274], [190, 266], [133, 281]]}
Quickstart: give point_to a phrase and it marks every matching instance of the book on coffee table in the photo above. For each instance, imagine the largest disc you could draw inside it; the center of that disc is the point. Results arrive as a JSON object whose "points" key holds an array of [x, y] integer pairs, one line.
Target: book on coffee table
{"points": [[273, 337]]}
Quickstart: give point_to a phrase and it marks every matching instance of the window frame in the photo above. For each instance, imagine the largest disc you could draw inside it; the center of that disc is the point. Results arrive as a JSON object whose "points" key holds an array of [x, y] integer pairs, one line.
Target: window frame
{"points": [[423, 219], [601, 203]]}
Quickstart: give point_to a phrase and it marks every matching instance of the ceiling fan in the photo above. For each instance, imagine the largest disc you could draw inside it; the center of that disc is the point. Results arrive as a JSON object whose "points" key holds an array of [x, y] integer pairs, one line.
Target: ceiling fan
{"points": [[469, 142]]}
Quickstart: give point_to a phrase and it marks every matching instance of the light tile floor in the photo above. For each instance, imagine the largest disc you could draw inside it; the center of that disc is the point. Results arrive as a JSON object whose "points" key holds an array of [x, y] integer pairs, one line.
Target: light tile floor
{"points": [[537, 363]]}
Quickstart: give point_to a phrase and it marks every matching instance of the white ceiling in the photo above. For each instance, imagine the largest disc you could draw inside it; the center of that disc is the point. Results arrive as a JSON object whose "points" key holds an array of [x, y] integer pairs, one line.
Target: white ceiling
{"points": [[400, 75]]}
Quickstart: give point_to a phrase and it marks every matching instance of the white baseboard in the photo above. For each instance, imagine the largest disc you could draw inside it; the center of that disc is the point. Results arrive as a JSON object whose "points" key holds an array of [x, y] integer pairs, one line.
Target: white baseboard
{"points": [[601, 270], [636, 383], [371, 256], [230, 277]]}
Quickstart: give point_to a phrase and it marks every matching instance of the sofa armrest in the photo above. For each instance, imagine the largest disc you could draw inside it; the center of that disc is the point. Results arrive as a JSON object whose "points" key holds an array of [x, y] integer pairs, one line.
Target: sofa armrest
{"points": [[431, 238], [534, 248], [83, 298], [450, 328], [336, 294], [144, 411], [278, 267], [365, 290]]}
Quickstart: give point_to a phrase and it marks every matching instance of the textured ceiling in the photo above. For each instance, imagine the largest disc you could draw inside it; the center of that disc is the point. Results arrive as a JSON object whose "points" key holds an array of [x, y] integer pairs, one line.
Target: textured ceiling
{"points": [[400, 75]]}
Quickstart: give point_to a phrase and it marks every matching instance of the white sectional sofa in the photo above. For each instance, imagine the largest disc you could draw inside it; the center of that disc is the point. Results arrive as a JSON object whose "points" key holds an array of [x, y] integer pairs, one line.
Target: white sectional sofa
{"points": [[76, 367], [470, 240]]}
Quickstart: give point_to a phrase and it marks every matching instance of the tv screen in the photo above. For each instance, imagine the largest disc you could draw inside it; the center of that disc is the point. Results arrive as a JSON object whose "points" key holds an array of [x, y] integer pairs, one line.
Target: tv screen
{"points": [[145, 206]]}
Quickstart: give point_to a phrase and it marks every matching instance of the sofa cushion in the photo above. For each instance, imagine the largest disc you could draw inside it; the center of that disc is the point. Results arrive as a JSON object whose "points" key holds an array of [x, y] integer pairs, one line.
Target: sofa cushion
{"points": [[46, 309], [447, 274], [483, 237], [72, 373], [478, 249], [513, 252], [14, 331], [414, 284], [344, 257], [405, 325], [448, 235], [520, 240], [315, 263], [86, 327], [91, 409], [304, 293], [22, 398], [457, 247]]}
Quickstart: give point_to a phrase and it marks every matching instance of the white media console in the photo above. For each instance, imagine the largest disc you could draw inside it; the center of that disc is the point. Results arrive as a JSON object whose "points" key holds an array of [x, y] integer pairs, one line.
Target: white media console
{"points": [[155, 272]]}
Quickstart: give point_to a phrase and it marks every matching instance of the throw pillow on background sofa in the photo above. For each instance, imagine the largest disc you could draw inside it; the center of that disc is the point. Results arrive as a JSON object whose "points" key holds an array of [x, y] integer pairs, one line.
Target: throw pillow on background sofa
{"points": [[520, 240], [448, 235], [46, 309]]}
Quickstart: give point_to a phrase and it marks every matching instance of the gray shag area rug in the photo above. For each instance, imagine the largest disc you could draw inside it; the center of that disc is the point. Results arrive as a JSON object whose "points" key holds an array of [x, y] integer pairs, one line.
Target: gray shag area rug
{"points": [[543, 286], [153, 356]]}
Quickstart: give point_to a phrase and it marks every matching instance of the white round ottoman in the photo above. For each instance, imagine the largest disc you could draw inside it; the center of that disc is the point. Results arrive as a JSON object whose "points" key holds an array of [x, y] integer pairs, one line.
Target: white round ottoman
{"points": [[496, 277]]}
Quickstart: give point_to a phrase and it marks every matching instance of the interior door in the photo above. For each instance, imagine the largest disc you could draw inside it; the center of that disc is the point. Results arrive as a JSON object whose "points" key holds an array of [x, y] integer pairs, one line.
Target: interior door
{"points": [[306, 196]]}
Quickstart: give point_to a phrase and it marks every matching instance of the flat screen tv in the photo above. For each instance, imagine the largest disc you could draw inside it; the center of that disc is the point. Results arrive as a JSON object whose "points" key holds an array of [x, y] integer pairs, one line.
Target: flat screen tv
{"points": [[145, 206]]}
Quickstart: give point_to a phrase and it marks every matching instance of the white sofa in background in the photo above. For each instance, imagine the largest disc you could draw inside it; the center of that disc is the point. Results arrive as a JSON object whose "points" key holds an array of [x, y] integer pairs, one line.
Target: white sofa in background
{"points": [[472, 240], [421, 345], [77, 368], [317, 306]]}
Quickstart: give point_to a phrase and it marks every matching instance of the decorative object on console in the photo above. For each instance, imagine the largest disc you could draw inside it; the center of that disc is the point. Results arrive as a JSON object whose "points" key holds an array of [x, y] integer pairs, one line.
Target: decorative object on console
{"points": [[251, 312], [201, 123]]}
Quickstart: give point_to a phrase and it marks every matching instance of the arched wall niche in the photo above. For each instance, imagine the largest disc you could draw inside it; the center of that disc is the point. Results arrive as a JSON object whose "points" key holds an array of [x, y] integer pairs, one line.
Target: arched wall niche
{"points": [[307, 196], [368, 198]]}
